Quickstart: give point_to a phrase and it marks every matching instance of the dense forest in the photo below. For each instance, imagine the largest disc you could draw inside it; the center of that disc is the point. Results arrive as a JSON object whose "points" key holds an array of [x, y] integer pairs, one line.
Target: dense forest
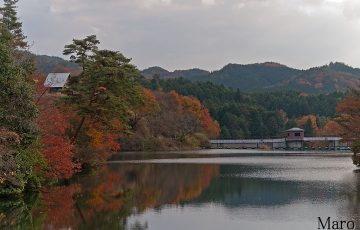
{"points": [[270, 76], [256, 114]]}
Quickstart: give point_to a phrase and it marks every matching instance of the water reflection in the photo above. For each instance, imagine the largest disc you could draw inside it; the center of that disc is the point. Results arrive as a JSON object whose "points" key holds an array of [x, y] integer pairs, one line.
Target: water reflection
{"points": [[104, 200], [255, 193]]}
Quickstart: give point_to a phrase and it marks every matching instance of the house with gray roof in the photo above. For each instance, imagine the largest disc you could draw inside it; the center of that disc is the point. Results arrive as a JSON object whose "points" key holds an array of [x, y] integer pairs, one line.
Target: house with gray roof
{"points": [[56, 81]]}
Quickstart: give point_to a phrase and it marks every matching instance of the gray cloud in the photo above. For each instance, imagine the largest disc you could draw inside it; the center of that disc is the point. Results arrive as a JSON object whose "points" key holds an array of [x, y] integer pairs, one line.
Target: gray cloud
{"points": [[202, 33]]}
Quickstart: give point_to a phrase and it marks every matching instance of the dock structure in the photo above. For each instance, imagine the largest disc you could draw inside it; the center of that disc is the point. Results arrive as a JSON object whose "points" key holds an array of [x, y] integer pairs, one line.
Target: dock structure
{"points": [[294, 140]]}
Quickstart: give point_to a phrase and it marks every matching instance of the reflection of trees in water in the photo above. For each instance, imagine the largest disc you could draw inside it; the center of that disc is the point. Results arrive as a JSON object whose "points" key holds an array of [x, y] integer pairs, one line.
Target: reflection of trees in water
{"points": [[234, 189], [351, 192], [17, 213], [105, 199]]}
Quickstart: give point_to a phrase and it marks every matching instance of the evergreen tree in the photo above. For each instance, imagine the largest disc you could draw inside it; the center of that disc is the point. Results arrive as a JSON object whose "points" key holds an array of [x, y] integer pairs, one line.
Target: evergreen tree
{"points": [[238, 96], [256, 125], [108, 87], [12, 23], [309, 131], [17, 115]]}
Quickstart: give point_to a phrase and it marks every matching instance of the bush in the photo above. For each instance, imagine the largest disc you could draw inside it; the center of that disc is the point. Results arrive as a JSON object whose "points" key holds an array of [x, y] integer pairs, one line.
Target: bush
{"points": [[356, 149]]}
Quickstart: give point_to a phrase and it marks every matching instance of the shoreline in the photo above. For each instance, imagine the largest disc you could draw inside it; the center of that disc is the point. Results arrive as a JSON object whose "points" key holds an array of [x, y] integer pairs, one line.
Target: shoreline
{"points": [[152, 157], [240, 151]]}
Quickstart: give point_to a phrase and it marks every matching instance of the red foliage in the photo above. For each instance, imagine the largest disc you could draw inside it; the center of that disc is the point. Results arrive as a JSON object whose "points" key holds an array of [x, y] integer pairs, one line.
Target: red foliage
{"points": [[56, 147], [60, 207]]}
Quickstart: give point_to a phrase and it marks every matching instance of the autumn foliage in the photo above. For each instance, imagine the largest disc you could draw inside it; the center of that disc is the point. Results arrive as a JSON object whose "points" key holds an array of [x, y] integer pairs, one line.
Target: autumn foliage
{"points": [[172, 122], [53, 125], [349, 119], [101, 141], [194, 106], [57, 149], [312, 118]]}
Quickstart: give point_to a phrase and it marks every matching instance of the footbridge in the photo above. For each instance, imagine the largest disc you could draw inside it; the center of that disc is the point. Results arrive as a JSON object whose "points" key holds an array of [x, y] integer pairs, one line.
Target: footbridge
{"points": [[294, 140]]}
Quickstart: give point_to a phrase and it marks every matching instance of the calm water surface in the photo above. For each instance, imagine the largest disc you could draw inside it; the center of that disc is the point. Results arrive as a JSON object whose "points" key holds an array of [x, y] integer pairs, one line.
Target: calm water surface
{"points": [[263, 192]]}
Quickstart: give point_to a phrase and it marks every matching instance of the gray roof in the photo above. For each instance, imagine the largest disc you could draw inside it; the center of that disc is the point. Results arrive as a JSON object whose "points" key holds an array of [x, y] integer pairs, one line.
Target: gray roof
{"points": [[56, 80], [294, 130]]}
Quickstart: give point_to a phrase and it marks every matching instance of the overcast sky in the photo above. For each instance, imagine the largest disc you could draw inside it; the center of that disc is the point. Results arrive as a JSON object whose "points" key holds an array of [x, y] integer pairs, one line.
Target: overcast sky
{"points": [[180, 34]]}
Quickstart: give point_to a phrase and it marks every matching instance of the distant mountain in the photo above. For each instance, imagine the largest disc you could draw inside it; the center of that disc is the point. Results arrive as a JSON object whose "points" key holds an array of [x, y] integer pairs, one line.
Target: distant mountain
{"points": [[335, 77], [163, 73], [47, 64], [251, 77], [270, 76]]}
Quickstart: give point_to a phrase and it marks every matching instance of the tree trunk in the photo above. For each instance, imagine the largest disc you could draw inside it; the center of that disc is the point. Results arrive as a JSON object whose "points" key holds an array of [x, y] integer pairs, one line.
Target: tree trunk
{"points": [[73, 140]]}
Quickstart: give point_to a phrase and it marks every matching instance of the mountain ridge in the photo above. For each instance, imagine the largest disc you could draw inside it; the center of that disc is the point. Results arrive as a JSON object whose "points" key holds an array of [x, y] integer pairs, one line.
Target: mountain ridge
{"points": [[266, 76], [333, 77]]}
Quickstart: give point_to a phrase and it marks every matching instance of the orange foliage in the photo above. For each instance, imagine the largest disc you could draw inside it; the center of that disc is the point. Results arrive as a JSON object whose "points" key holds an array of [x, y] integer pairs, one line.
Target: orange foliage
{"points": [[332, 128], [177, 99], [104, 140], [349, 119], [207, 173], [103, 195], [150, 104], [302, 121], [349, 105], [194, 106]]}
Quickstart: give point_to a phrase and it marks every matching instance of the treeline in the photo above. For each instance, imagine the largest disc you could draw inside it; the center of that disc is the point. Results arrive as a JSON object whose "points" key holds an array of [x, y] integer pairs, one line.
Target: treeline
{"points": [[252, 115]]}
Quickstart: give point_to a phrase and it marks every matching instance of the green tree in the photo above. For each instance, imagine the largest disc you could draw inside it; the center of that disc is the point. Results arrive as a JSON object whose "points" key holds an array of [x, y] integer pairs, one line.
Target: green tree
{"points": [[17, 115], [356, 149], [107, 88], [256, 125], [12, 23], [309, 131]]}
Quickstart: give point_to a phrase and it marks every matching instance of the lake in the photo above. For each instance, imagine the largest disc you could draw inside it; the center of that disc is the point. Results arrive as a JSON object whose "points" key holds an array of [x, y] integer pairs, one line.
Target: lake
{"points": [[197, 191]]}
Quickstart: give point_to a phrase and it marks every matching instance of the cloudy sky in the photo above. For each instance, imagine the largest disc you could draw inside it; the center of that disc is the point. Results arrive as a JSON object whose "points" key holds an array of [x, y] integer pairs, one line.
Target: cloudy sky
{"points": [[179, 34]]}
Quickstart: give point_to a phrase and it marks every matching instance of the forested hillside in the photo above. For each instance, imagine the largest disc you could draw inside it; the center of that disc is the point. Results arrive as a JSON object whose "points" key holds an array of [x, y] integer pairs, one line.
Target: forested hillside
{"points": [[47, 64], [257, 114], [269, 76]]}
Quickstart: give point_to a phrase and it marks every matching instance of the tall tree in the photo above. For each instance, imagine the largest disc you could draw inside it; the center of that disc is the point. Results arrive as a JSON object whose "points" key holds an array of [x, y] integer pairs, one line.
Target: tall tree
{"points": [[11, 21], [349, 116], [308, 127], [17, 111], [108, 87]]}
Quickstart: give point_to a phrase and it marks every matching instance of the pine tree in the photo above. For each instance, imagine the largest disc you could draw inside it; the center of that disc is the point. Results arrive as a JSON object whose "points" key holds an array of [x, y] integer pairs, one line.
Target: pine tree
{"points": [[107, 88], [309, 131], [12, 23]]}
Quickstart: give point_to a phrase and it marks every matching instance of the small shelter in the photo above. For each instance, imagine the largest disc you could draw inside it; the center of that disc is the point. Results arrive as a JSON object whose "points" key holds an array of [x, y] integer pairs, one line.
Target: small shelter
{"points": [[56, 81], [294, 138]]}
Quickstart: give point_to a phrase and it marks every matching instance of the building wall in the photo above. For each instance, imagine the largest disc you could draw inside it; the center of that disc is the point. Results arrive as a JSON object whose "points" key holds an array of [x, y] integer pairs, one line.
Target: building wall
{"points": [[294, 144], [295, 135]]}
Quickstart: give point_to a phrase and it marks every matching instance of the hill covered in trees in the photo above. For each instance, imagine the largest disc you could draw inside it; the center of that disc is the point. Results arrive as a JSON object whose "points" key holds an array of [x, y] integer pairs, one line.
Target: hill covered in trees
{"points": [[48, 64], [269, 76], [255, 114]]}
